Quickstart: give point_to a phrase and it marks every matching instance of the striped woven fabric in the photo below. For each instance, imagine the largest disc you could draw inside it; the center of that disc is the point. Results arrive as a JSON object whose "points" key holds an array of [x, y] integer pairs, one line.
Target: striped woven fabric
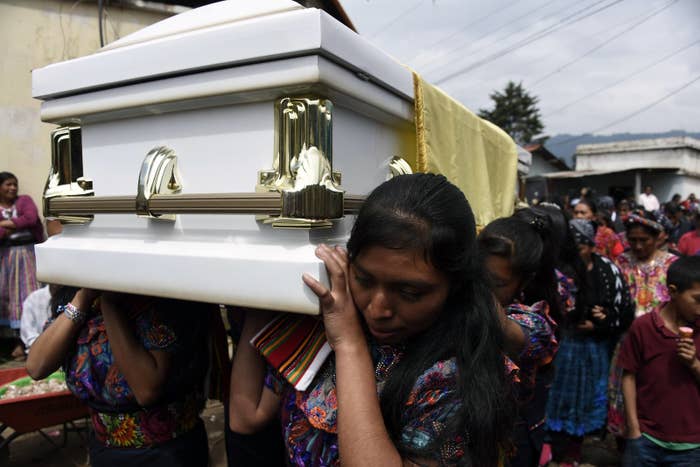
{"points": [[294, 345]]}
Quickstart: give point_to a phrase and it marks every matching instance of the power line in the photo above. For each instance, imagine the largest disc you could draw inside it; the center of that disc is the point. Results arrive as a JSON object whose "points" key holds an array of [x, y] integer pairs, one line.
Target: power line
{"points": [[633, 114], [566, 21], [604, 43], [492, 32], [486, 16], [396, 19], [625, 78], [529, 40]]}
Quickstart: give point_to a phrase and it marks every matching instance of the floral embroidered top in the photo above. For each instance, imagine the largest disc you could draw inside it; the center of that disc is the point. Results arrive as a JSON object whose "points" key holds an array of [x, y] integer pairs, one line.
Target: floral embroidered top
{"points": [[309, 418], [541, 344], [93, 376], [646, 281], [566, 289]]}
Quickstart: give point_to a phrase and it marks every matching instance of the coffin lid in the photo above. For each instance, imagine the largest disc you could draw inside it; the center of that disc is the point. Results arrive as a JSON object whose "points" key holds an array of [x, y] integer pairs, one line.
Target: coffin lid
{"points": [[222, 35]]}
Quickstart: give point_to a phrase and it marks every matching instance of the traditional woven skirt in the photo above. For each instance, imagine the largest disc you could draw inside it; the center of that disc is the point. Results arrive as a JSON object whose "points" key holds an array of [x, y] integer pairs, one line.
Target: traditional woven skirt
{"points": [[17, 280], [578, 398]]}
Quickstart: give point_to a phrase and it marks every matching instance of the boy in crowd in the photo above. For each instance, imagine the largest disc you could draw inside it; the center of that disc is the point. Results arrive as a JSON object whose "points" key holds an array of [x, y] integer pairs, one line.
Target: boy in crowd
{"points": [[661, 379]]}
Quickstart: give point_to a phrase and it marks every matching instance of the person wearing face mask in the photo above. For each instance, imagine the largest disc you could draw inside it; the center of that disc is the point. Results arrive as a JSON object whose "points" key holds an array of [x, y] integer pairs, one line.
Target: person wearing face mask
{"points": [[20, 229], [418, 374]]}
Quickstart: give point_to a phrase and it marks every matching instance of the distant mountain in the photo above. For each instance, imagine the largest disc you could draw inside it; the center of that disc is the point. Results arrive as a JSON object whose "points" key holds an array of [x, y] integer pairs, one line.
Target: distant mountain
{"points": [[564, 146]]}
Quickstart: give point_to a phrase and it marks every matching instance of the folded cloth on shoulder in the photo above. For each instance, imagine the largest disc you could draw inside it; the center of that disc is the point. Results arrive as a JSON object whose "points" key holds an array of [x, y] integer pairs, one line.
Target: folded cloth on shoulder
{"points": [[295, 346]]}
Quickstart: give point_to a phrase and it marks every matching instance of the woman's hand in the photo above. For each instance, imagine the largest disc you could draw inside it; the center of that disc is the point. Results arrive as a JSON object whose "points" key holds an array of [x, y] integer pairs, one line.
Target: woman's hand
{"points": [[7, 224], [84, 298], [598, 313], [340, 316]]}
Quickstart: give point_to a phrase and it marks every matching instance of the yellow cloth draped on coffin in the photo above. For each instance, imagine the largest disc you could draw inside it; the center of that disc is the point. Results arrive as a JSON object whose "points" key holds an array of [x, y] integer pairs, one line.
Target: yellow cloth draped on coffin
{"points": [[474, 154]]}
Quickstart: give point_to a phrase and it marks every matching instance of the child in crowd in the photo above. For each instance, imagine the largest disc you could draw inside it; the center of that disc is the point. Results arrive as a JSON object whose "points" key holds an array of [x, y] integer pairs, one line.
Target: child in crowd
{"points": [[661, 379]]}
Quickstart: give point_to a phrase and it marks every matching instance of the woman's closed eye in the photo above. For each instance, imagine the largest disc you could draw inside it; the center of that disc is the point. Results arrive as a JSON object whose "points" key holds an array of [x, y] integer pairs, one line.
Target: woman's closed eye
{"points": [[411, 294], [362, 281]]}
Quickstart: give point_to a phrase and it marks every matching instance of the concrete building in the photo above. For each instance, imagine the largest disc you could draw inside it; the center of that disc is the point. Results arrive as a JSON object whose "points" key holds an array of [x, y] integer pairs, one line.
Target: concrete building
{"points": [[543, 162], [623, 169]]}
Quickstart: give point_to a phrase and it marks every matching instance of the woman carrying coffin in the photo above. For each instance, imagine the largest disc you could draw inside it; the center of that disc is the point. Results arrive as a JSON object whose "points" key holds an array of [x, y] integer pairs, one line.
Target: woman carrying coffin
{"points": [[418, 375], [140, 365]]}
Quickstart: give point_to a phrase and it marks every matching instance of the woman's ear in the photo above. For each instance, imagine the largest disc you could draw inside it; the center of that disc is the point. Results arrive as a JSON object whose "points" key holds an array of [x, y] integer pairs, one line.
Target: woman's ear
{"points": [[672, 291]]}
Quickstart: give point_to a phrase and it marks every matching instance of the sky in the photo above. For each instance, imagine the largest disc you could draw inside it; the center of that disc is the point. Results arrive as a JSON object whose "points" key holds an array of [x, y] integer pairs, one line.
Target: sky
{"points": [[596, 66]]}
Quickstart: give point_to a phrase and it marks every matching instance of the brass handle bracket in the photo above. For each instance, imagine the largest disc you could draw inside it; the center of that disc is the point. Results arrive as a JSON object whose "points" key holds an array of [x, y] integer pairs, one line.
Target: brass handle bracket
{"points": [[158, 175]]}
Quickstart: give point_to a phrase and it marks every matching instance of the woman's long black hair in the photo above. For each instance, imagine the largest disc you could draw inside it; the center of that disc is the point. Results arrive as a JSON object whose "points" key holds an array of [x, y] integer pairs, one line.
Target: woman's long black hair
{"points": [[523, 245], [566, 256], [426, 212]]}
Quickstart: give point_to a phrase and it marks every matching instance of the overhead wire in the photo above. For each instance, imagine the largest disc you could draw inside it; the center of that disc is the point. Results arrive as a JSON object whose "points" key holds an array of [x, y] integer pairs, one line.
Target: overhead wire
{"points": [[467, 26], [632, 114], [571, 19], [491, 33], [395, 20], [625, 78], [604, 43]]}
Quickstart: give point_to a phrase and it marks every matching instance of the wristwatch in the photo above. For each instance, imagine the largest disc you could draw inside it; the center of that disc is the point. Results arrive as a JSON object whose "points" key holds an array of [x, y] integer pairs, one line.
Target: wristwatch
{"points": [[73, 313]]}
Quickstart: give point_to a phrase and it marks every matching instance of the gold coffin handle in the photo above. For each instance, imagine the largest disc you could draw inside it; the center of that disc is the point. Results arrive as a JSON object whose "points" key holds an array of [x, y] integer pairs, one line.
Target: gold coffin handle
{"points": [[158, 175]]}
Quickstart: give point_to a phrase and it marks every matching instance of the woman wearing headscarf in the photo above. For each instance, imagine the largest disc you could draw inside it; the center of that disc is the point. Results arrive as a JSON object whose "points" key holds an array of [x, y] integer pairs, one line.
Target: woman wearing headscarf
{"points": [[606, 241], [577, 400]]}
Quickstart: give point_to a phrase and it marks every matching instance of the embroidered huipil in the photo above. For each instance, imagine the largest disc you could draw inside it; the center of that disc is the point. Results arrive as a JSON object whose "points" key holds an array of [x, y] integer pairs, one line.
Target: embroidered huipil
{"points": [[646, 281], [541, 343], [118, 420], [566, 289], [309, 418]]}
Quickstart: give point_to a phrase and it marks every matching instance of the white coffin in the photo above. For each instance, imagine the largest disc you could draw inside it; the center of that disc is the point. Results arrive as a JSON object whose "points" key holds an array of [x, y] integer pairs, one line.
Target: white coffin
{"points": [[204, 84]]}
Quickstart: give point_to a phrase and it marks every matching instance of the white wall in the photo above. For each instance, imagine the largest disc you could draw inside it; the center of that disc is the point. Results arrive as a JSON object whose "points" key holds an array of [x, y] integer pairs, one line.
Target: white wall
{"points": [[33, 34]]}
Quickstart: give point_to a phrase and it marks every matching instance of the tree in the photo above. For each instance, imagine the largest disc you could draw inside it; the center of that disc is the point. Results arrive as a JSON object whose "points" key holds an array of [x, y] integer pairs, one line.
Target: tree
{"points": [[516, 112]]}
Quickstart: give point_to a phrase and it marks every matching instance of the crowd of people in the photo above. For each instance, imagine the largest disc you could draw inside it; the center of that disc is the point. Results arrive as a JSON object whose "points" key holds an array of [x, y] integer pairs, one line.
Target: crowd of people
{"points": [[449, 347]]}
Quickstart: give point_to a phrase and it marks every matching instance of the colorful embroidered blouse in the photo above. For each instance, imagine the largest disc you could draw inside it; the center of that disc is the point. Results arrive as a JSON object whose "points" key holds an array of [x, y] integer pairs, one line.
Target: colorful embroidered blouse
{"points": [[566, 289], [309, 418], [93, 376], [541, 344], [646, 281]]}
